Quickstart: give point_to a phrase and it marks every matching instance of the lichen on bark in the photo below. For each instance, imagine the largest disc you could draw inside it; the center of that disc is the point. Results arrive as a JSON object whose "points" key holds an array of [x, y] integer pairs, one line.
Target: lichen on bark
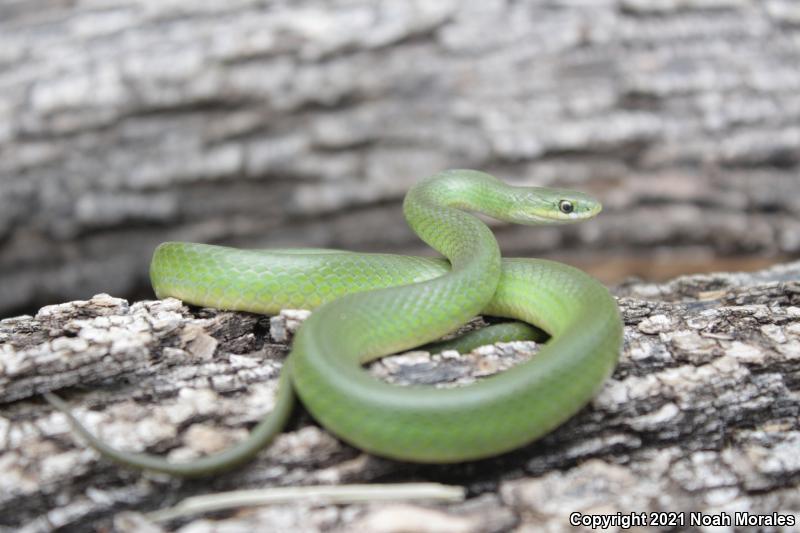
{"points": [[700, 414]]}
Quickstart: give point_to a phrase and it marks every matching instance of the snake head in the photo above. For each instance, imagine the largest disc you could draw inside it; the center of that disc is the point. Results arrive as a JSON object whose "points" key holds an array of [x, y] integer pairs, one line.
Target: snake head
{"points": [[544, 205]]}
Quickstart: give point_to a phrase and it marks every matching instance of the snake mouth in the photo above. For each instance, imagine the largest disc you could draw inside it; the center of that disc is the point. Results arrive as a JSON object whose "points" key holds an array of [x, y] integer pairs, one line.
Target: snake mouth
{"points": [[556, 218], [584, 214]]}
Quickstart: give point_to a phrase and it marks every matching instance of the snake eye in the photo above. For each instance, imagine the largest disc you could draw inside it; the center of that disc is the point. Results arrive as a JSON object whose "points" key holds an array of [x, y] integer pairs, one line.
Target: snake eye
{"points": [[566, 206]]}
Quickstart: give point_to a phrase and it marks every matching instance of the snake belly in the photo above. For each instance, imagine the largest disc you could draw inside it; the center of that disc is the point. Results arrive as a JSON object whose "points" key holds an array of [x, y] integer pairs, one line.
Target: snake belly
{"points": [[367, 306]]}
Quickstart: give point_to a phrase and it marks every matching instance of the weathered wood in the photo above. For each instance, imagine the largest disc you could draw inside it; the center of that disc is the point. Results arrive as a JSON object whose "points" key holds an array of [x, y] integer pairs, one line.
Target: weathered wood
{"points": [[700, 415], [125, 124]]}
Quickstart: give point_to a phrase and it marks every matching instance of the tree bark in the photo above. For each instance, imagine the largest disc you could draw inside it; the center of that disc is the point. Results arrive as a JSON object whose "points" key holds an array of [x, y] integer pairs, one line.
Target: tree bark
{"points": [[699, 416], [123, 125]]}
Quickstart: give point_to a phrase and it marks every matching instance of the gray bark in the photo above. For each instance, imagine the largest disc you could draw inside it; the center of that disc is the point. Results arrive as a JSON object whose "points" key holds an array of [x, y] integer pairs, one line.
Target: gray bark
{"points": [[129, 123], [700, 415]]}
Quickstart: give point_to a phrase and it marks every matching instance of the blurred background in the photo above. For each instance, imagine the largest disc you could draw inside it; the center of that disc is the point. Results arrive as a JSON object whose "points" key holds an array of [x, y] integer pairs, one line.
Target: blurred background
{"points": [[277, 123]]}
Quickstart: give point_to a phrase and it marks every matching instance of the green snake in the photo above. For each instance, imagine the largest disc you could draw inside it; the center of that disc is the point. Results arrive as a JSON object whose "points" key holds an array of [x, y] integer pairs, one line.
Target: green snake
{"points": [[367, 306]]}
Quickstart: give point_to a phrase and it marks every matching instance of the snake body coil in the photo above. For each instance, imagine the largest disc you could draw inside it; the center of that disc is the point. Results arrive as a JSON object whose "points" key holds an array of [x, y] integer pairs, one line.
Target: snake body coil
{"points": [[371, 305]]}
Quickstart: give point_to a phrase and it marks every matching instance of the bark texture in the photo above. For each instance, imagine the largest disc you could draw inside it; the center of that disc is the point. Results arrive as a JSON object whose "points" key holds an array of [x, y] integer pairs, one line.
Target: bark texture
{"points": [[128, 123], [700, 415]]}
